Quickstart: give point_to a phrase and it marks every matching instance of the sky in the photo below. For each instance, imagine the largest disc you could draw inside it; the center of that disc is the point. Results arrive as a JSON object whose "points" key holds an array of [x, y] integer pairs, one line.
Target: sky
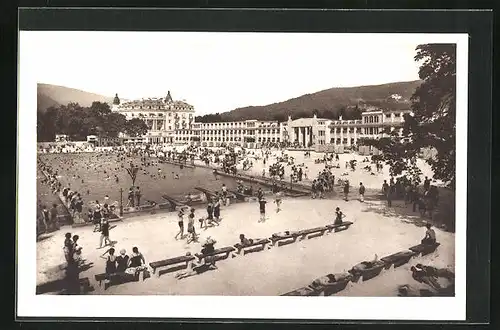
{"points": [[217, 72]]}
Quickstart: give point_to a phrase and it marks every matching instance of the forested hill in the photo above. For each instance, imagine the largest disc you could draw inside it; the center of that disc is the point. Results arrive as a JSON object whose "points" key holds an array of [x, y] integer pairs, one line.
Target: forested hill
{"points": [[327, 103], [52, 95]]}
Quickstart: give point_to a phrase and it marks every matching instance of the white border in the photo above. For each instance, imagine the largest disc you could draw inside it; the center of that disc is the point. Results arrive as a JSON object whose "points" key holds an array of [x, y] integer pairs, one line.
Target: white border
{"points": [[397, 308]]}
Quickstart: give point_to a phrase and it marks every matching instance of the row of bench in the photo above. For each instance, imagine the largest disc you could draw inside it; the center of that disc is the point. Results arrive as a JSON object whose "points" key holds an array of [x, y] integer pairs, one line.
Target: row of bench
{"points": [[340, 280], [258, 245]]}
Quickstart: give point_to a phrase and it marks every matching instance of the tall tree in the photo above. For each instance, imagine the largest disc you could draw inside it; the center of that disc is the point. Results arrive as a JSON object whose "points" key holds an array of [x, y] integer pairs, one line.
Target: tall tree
{"points": [[135, 127], [432, 124]]}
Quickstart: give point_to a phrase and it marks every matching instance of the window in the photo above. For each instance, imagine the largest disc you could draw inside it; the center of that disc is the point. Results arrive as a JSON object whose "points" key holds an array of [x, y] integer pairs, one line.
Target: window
{"points": [[397, 115], [332, 140]]}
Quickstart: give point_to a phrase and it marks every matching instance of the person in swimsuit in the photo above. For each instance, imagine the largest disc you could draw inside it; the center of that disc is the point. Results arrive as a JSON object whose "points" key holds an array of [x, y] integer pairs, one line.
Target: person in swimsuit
{"points": [[277, 200], [96, 217], [180, 222], [217, 210], [110, 261], [262, 208], [68, 248], [338, 216], [122, 261], [245, 241], [191, 231], [195, 269], [430, 235], [104, 234], [136, 262]]}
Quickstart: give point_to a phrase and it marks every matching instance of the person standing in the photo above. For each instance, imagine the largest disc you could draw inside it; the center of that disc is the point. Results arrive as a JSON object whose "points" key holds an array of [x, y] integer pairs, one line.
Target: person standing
{"points": [[138, 196], [130, 197], [385, 188], [389, 196], [53, 216], [104, 234], [225, 197], [262, 208], [217, 210], [277, 200], [346, 190], [180, 222], [46, 218], [361, 192]]}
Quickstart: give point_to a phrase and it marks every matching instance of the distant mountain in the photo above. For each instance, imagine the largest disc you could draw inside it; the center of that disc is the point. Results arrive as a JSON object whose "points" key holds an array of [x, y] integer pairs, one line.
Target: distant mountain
{"points": [[387, 96], [52, 95]]}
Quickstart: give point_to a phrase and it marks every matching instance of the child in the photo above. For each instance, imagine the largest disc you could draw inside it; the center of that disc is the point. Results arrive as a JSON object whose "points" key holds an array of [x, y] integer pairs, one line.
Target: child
{"points": [[180, 222], [262, 207]]}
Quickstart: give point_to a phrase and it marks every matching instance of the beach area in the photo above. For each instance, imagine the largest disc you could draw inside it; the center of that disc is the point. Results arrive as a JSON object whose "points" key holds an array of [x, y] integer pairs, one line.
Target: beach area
{"points": [[376, 230]]}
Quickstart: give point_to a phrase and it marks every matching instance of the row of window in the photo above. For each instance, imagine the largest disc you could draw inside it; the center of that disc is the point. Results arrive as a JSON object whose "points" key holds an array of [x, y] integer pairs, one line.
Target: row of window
{"points": [[154, 115], [140, 107], [236, 139], [236, 124]]}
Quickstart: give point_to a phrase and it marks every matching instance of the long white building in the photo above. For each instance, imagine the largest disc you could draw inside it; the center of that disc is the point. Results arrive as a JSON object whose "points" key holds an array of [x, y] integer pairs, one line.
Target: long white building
{"points": [[172, 121]]}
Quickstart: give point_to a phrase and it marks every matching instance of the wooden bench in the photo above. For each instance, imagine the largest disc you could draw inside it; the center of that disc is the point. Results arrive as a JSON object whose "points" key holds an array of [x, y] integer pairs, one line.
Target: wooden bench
{"points": [[254, 247], [339, 226], [284, 240], [170, 262], [313, 232], [225, 251], [120, 277], [424, 249], [366, 272], [304, 292], [173, 202], [398, 259]]}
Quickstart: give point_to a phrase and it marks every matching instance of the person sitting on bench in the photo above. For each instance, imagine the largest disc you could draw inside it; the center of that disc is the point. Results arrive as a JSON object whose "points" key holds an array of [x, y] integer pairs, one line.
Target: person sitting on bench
{"points": [[136, 262], [208, 246], [196, 268], [338, 216], [122, 261], [430, 236], [245, 241]]}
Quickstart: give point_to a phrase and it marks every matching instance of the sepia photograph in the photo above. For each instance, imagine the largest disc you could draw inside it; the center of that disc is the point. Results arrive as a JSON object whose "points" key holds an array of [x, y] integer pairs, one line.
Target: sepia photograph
{"points": [[188, 164]]}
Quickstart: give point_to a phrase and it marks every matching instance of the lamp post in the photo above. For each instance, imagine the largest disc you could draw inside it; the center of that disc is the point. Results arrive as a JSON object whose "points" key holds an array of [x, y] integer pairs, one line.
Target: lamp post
{"points": [[121, 202]]}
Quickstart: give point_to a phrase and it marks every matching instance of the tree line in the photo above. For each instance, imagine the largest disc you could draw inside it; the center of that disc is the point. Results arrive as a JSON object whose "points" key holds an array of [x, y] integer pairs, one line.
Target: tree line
{"points": [[78, 122], [347, 113], [433, 123]]}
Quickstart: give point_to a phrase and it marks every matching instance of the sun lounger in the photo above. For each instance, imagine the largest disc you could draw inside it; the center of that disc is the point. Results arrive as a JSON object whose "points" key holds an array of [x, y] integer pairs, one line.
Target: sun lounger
{"points": [[367, 272], [397, 259], [208, 193], [339, 226], [239, 196], [305, 291], [283, 240], [325, 285], [225, 251], [255, 246], [171, 262], [424, 249], [173, 202], [313, 232]]}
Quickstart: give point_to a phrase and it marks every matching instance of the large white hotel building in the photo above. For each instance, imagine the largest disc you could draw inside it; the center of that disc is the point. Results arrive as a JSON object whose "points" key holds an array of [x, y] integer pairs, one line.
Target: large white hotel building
{"points": [[172, 121]]}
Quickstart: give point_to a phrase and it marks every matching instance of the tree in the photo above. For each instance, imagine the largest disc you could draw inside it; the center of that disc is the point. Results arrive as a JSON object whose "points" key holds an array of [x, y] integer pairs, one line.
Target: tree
{"points": [[135, 127], [432, 124]]}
